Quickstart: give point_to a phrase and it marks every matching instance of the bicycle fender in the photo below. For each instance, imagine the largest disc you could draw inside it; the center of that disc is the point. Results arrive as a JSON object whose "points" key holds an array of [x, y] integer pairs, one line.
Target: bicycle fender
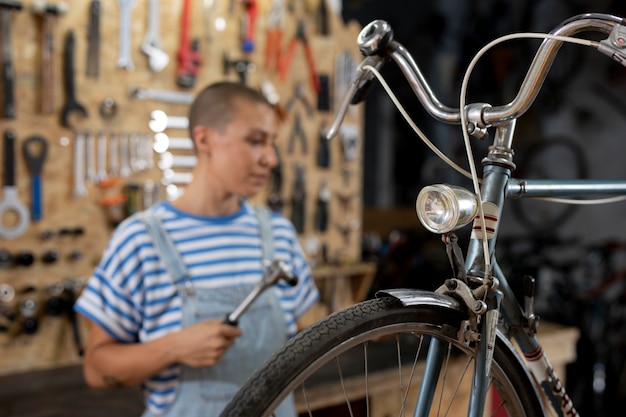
{"points": [[410, 297]]}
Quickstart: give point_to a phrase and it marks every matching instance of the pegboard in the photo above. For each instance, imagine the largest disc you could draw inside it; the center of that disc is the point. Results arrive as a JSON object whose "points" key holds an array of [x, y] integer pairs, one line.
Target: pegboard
{"points": [[77, 227]]}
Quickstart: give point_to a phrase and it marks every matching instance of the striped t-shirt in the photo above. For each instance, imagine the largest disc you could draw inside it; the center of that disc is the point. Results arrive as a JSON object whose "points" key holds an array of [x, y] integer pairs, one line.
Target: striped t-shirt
{"points": [[131, 296]]}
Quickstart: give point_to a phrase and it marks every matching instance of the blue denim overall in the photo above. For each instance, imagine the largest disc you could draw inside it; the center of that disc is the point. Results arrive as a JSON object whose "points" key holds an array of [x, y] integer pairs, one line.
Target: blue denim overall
{"points": [[204, 392]]}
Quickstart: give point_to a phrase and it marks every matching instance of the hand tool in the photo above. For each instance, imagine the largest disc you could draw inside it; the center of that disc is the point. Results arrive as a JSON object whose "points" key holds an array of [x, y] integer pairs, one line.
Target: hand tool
{"points": [[71, 104], [6, 260], [8, 76], [101, 171], [92, 69], [35, 149], [297, 132], [188, 57], [79, 165], [90, 142], [300, 37], [161, 121], [124, 155], [299, 95], [113, 154], [168, 96], [249, 20], [321, 207], [322, 20], [346, 229], [172, 177], [108, 108], [10, 201], [48, 12], [163, 143], [350, 141], [241, 66], [151, 46], [323, 95], [298, 199], [169, 160], [124, 59], [274, 35], [276, 271], [323, 150], [345, 70]]}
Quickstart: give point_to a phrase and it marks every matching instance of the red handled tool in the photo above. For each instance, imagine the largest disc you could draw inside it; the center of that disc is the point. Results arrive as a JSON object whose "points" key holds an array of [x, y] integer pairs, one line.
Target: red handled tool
{"points": [[274, 35], [188, 57], [284, 66], [249, 19]]}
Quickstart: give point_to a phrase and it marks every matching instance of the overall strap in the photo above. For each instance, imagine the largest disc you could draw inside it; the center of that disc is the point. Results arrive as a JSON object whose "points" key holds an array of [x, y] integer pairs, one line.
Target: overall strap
{"points": [[265, 229], [165, 246]]}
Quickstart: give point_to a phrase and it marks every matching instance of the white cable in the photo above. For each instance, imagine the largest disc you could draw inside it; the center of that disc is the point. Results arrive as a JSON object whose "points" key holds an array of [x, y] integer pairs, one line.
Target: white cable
{"points": [[607, 200], [411, 123], [466, 139]]}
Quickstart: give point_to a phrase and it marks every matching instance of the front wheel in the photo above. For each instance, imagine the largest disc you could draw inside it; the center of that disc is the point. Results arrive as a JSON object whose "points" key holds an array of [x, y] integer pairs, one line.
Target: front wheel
{"points": [[368, 360]]}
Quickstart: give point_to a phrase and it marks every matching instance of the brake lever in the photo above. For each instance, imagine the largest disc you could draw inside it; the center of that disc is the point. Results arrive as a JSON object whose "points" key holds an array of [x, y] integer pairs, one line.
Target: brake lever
{"points": [[615, 45], [357, 92]]}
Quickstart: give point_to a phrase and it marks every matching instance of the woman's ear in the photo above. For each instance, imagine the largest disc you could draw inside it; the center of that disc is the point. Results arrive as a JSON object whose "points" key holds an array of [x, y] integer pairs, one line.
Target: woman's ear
{"points": [[201, 137]]}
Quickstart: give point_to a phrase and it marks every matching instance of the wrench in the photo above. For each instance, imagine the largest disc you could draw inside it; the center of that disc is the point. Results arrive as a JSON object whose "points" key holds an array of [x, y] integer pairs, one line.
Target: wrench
{"points": [[113, 152], [188, 57], [71, 104], [124, 59], [169, 160], [151, 46], [10, 201], [34, 150], [79, 165], [161, 121], [168, 96], [124, 157], [101, 174]]}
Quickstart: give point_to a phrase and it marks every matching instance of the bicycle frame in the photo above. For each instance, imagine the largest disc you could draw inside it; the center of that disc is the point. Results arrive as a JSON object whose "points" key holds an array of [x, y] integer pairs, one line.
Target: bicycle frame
{"points": [[487, 293]]}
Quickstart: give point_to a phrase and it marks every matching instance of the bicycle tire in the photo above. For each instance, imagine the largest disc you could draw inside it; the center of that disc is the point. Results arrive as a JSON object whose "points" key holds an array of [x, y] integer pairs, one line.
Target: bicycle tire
{"points": [[371, 323]]}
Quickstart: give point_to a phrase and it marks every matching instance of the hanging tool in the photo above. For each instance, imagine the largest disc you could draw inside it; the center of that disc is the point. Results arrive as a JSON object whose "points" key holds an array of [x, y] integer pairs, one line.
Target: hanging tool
{"points": [[242, 66], [92, 69], [10, 201], [298, 199], [249, 19], [151, 46], [275, 272], [323, 150], [35, 149], [299, 95], [271, 94], [300, 37], [322, 19], [297, 132], [8, 76], [79, 165], [49, 13], [124, 59], [321, 207], [71, 104], [274, 35], [188, 57]]}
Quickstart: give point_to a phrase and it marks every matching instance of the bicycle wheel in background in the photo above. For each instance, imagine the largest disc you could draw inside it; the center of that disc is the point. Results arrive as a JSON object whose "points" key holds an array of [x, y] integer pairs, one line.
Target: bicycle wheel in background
{"points": [[553, 158], [376, 349]]}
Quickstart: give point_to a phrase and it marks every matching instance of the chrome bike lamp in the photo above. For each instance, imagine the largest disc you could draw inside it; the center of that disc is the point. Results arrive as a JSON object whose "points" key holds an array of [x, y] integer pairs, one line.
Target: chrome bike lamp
{"points": [[443, 208]]}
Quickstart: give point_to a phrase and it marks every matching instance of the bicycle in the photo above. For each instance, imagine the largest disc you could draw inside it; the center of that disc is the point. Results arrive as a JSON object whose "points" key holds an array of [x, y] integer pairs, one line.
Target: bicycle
{"points": [[473, 318]]}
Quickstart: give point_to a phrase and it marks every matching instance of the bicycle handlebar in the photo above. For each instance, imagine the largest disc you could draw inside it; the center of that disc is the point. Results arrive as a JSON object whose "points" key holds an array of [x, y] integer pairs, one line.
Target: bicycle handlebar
{"points": [[376, 43]]}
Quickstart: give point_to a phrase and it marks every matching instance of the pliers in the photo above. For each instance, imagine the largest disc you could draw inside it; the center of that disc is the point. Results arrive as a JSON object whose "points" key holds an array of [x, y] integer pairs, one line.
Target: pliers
{"points": [[297, 131], [284, 66]]}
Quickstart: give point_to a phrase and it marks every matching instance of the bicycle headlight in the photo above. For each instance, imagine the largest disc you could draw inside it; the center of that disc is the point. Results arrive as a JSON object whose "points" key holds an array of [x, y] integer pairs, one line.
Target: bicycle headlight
{"points": [[442, 208]]}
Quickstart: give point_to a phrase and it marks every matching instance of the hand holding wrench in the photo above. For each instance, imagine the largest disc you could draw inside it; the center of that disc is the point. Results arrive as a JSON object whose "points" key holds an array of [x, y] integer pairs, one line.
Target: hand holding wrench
{"points": [[276, 271]]}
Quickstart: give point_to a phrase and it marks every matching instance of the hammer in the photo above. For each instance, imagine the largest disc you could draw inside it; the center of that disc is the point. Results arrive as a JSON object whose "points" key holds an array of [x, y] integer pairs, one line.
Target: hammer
{"points": [[6, 6], [48, 13]]}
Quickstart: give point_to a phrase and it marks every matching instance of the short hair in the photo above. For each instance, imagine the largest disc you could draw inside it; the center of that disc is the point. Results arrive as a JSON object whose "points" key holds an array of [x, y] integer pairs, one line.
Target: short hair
{"points": [[215, 105]]}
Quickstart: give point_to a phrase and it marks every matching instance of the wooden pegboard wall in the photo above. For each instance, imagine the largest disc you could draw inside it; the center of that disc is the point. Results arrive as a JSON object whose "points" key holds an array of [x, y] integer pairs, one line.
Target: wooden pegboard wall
{"points": [[52, 344]]}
